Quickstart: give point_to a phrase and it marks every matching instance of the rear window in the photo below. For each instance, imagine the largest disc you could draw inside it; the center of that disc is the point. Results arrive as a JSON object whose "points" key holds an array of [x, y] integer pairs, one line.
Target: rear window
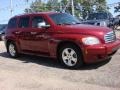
{"points": [[12, 23]]}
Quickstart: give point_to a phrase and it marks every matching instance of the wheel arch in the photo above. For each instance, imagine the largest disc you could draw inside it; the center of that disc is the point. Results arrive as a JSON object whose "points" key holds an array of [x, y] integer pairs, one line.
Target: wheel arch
{"points": [[62, 43], [13, 41], [7, 43]]}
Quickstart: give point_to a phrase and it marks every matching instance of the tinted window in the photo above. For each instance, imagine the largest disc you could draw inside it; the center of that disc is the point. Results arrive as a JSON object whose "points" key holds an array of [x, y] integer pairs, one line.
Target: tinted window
{"points": [[24, 22], [38, 21], [12, 23], [63, 18]]}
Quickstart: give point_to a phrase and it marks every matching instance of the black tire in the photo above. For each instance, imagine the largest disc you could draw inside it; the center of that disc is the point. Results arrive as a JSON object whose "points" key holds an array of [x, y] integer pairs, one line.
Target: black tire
{"points": [[78, 52], [15, 55]]}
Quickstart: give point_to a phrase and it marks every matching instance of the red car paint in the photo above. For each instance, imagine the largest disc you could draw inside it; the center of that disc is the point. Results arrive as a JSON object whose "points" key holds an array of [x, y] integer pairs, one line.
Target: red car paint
{"points": [[45, 41]]}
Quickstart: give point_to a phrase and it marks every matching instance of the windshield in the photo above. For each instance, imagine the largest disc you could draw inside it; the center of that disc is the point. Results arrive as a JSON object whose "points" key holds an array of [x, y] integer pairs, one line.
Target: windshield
{"points": [[64, 19], [97, 16]]}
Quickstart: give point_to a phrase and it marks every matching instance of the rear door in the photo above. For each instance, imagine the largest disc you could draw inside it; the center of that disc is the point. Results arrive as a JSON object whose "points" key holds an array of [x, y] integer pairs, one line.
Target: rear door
{"points": [[23, 32]]}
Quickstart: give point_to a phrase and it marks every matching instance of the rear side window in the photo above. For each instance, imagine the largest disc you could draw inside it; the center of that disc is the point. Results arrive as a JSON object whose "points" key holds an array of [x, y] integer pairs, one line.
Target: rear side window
{"points": [[24, 22], [12, 23]]}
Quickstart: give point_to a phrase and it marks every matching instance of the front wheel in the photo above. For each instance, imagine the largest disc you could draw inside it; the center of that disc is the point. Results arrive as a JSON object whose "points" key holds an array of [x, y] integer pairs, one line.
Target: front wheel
{"points": [[12, 50], [70, 56]]}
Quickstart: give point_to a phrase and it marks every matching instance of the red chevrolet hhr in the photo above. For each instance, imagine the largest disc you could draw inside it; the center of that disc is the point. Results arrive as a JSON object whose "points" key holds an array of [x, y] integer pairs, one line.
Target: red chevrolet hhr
{"points": [[61, 36]]}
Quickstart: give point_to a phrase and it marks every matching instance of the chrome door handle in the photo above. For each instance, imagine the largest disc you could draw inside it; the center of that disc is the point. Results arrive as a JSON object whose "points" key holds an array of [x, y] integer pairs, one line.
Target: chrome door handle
{"points": [[33, 33]]}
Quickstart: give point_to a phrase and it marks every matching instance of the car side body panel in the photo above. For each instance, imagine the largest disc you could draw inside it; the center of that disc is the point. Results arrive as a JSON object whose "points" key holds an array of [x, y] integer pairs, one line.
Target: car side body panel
{"points": [[45, 41]]}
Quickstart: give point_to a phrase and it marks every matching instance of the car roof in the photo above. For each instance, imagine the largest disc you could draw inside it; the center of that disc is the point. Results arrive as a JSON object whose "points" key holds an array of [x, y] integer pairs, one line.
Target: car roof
{"points": [[36, 13]]}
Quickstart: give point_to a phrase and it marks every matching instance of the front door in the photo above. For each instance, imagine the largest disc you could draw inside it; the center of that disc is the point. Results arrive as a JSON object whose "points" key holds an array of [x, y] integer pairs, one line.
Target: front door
{"points": [[40, 35]]}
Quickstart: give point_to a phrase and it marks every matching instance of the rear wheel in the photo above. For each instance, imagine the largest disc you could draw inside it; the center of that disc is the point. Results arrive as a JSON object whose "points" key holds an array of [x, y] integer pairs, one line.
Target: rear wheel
{"points": [[12, 50], [70, 56]]}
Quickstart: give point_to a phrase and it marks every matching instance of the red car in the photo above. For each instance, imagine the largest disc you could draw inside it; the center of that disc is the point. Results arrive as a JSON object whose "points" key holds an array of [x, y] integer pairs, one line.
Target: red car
{"points": [[61, 36]]}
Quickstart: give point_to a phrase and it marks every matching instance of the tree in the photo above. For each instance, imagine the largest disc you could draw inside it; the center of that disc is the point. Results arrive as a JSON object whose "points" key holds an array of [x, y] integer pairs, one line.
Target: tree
{"points": [[117, 8], [37, 6], [90, 6], [53, 5], [82, 7], [101, 5]]}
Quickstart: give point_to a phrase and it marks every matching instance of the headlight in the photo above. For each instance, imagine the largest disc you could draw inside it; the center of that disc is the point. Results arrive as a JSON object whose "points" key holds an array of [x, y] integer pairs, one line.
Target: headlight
{"points": [[103, 23], [90, 40]]}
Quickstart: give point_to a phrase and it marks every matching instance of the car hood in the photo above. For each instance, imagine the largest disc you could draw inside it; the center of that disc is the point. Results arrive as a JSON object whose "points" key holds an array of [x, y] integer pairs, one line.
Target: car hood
{"points": [[84, 29]]}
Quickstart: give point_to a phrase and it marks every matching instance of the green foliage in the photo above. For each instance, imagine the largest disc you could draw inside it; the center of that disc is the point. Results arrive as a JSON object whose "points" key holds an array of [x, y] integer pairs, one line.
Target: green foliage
{"points": [[87, 6], [117, 8], [52, 5], [101, 5], [38, 6]]}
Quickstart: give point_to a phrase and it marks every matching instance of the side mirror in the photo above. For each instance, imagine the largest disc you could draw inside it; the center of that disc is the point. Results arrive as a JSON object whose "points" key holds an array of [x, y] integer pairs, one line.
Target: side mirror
{"points": [[43, 25]]}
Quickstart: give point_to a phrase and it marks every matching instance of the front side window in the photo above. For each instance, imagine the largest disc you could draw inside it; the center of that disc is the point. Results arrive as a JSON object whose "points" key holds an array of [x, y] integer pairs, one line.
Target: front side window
{"points": [[38, 22], [24, 22], [63, 18], [12, 23]]}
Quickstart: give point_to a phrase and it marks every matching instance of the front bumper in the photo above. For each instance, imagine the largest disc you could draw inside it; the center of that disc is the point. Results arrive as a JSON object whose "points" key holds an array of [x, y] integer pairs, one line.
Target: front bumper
{"points": [[98, 53]]}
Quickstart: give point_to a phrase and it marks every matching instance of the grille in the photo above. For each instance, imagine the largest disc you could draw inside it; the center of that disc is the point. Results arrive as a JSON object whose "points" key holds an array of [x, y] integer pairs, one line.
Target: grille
{"points": [[110, 37]]}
